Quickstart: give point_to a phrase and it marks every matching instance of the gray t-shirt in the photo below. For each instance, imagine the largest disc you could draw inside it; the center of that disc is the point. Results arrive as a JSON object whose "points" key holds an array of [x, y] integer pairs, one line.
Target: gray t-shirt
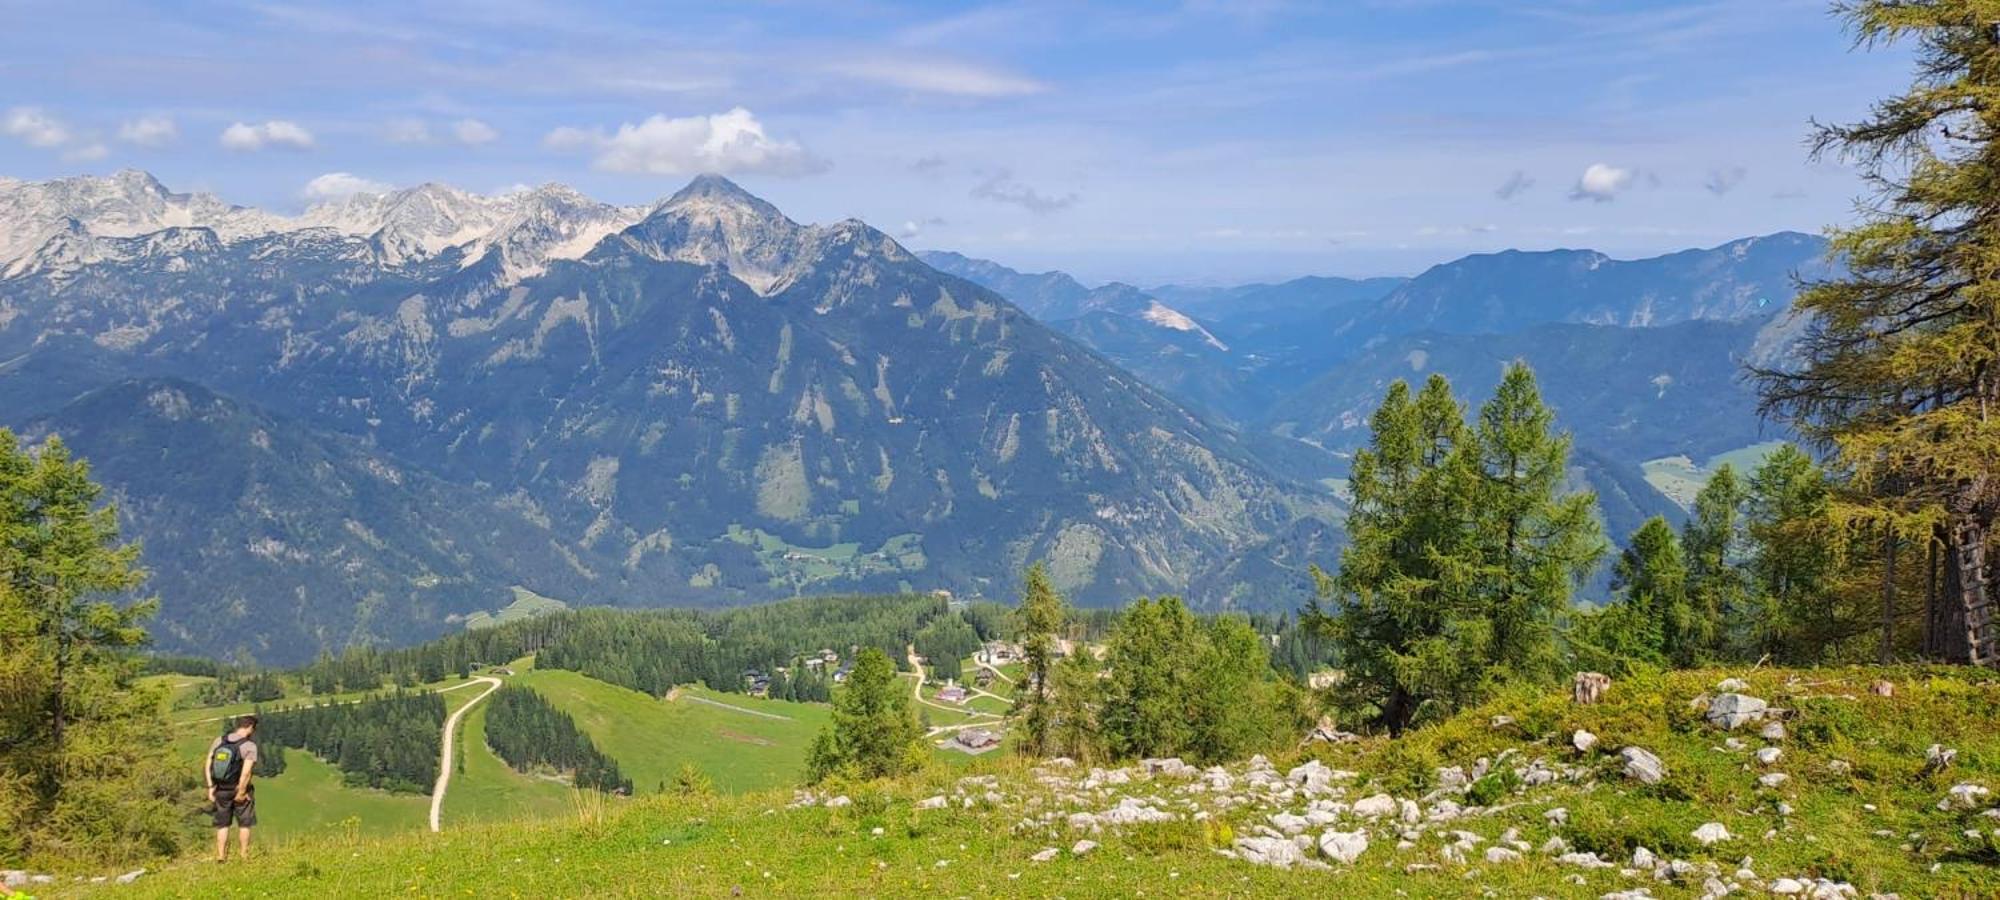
{"points": [[246, 748]]}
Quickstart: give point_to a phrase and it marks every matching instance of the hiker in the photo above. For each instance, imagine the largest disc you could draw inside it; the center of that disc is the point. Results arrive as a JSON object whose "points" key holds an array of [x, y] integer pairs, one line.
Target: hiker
{"points": [[230, 760]]}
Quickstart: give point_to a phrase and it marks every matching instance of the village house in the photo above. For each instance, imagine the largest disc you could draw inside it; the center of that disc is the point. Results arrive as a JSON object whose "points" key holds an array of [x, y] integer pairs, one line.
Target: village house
{"points": [[952, 693], [976, 740]]}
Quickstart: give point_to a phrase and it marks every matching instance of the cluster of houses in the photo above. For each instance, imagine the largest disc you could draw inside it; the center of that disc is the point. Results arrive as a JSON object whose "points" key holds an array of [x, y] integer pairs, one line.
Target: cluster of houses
{"points": [[758, 682]]}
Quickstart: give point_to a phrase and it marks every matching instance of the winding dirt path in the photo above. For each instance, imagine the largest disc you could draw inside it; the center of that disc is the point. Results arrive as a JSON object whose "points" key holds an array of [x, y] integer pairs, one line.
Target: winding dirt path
{"points": [[450, 736]]}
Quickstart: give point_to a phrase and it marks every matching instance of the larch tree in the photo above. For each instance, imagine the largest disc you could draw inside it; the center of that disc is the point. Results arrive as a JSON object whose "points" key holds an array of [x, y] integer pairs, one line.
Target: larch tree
{"points": [[874, 734], [1042, 615], [1651, 577], [1900, 370], [1538, 541], [1717, 591]]}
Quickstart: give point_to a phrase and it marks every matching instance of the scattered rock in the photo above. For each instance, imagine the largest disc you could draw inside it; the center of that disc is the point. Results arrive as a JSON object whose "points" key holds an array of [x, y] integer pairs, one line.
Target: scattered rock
{"points": [[936, 802], [1082, 847], [1732, 685], [1046, 854], [130, 877], [1642, 766], [1498, 855], [840, 801], [1773, 780], [1773, 731], [1769, 755], [1733, 710], [1643, 858], [1500, 722], [1939, 758], [1375, 807], [1344, 846], [1313, 776], [1583, 740], [1712, 833], [1963, 796], [13, 878], [1557, 817], [1268, 851], [1327, 733], [1583, 861], [1882, 688]]}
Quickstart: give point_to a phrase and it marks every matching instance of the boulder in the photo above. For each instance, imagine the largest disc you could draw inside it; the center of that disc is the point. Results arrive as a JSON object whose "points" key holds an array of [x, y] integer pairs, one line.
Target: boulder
{"points": [[1641, 765], [1376, 807], [1712, 833], [1268, 851], [1583, 740], [1733, 710], [1963, 796], [1589, 687], [1344, 846]]}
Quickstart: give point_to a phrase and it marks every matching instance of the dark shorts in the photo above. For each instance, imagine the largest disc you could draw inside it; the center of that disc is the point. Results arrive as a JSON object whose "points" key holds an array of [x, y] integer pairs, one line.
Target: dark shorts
{"points": [[228, 810]]}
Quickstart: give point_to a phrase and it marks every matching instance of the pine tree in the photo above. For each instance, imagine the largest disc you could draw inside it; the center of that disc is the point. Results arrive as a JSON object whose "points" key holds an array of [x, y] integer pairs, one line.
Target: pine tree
{"points": [[1042, 615], [1901, 365], [1152, 655], [1075, 705]]}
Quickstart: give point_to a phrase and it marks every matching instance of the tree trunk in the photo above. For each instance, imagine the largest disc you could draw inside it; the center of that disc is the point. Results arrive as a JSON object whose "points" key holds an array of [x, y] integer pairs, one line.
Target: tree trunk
{"points": [[1932, 629], [1888, 593], [1970, 598]]}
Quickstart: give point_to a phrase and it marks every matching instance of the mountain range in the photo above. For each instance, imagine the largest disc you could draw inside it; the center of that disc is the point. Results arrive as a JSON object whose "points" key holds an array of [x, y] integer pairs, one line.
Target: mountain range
{"points": [[709, 403], [364, 422]]}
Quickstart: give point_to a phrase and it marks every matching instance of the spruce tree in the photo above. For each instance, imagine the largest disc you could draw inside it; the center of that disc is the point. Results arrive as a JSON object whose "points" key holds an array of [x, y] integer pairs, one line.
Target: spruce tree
{"points": [[1901, 363], [1790, 521], [1716, 588]]}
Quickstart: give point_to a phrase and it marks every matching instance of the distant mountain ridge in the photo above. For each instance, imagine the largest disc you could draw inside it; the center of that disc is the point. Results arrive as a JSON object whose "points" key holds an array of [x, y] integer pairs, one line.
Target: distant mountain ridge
{"points": [[712, 404]]}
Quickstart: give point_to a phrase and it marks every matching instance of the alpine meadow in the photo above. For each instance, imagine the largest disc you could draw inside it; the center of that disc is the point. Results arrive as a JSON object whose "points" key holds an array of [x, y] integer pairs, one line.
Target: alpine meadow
{"points": [[1018, 449]]}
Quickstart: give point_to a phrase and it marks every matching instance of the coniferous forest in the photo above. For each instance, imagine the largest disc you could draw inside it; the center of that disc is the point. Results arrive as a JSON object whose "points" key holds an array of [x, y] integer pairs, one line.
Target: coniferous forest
{"points": [[389, 741], [528, 733]]}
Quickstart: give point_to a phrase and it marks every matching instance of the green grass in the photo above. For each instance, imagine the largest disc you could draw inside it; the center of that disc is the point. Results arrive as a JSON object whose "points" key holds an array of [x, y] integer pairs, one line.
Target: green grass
{"points": [[527, 604], [487, 790], [1680, 479], [651, 739], [1874, 824]]}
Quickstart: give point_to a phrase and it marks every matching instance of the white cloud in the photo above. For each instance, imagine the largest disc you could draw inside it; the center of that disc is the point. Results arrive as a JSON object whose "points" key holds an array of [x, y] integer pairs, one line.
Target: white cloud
{"points": [[1601, 183], [731, 142], [149, 131], [940, 77], [36, 128], [473, 132], [338, 185], [275, 133], [407, 131], [1000, 187]]}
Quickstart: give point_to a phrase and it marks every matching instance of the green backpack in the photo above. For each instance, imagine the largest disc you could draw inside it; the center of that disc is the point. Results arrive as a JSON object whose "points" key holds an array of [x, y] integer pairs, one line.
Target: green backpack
{"points": [[225, 765]]}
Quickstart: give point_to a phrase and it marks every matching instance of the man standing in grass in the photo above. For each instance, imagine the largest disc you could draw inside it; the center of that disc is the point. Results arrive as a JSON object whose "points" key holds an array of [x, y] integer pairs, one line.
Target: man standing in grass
{"points": [[230, 760]]}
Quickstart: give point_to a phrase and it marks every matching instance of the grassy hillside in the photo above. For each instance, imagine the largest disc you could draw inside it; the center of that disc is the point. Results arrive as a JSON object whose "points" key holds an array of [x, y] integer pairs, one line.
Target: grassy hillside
{"points": [[1858, 806], [742, 743]]}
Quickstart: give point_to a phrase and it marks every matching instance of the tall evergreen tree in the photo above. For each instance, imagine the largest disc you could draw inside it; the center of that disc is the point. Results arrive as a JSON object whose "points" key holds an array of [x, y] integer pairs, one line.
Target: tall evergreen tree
{"points": [[1461, 552], [1042, 615], [1901, 364], [874, 734], [1717, 590], [85, 759], [1789, 519], [1538, 541], [1652, 577]]}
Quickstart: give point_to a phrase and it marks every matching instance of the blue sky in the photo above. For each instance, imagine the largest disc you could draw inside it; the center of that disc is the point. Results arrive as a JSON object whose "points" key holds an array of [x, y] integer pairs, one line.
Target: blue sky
{"points": [[1202, 141]]}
